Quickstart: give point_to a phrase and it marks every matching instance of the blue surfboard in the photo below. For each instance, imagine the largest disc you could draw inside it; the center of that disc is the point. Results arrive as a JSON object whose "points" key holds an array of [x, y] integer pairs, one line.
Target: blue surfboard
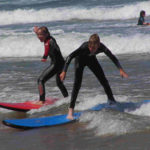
{"points": [[29, 123]]}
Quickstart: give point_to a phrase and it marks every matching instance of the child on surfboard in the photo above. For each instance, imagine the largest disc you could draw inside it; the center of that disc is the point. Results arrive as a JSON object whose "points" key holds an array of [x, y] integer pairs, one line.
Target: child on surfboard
{"points": [[85, 55], [52, 51]]}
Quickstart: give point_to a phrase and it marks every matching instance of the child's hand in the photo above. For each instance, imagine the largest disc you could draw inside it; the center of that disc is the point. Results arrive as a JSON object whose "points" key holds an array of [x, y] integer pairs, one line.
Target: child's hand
{"points": [[35, 29], [43, 60]]}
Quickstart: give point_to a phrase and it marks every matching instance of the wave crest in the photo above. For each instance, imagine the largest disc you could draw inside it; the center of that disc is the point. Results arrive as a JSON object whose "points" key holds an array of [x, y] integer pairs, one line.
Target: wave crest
{"points": [[68, 13]]}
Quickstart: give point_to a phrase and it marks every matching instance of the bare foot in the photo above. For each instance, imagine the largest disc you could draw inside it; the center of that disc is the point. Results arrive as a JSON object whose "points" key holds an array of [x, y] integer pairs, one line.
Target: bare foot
{"points": [[38, 102], [70, 117], [70, 114]]}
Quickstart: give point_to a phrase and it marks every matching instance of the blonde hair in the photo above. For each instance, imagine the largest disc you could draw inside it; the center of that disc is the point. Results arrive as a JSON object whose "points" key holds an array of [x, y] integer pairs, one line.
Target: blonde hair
{"points": [[94, 39]]}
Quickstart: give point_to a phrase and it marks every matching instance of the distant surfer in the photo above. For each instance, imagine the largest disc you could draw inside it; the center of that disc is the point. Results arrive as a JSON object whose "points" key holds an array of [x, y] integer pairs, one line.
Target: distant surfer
{"points": [[57, 62], [141, 20], [85, 55]]}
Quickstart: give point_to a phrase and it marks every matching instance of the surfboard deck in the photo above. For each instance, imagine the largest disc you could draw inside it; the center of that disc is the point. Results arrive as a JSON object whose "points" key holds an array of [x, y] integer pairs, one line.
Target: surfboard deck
{"points": [[26, 106], [29, 123]]}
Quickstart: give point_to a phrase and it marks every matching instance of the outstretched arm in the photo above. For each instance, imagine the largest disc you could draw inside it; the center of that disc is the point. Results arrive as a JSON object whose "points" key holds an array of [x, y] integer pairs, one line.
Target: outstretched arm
{"points": [[123, 73], [116, 62]]}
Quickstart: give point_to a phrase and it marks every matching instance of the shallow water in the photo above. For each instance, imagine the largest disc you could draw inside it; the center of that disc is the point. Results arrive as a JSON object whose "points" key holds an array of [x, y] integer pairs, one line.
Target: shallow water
{"points": [[106, 129]]}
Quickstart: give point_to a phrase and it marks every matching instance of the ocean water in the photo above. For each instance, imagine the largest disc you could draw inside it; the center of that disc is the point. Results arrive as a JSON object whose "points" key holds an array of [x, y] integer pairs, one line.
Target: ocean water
{"points": [[71, 23]]}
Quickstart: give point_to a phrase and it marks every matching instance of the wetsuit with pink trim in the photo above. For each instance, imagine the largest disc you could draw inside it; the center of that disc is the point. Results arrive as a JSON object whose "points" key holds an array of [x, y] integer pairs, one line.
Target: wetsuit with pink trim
{"points": [[83, 57], [57, 62]]}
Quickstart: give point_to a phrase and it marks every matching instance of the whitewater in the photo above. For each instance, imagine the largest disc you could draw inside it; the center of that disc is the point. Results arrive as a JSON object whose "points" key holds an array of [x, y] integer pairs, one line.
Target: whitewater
{"points": [[116, 25]]}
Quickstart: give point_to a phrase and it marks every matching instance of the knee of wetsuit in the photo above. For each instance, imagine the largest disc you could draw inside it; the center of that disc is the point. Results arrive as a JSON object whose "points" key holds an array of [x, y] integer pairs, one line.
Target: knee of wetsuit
{"points": [[40, 81]]}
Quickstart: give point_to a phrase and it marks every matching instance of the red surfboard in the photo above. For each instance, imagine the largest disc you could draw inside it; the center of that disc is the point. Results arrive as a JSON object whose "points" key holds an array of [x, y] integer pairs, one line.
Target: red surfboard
{"points": [[28, 105]]}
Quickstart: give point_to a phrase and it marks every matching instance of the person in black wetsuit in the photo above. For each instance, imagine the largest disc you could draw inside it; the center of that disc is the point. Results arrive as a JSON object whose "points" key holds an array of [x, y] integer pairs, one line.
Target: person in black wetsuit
{"points": [[57, 62], [141, 20], [85, 55]]}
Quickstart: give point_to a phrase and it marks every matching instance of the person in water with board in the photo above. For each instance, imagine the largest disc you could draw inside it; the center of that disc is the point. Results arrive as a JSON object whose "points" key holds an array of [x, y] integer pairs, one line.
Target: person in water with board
{"points": [[85, 55], [141, 20], [57, 62]]}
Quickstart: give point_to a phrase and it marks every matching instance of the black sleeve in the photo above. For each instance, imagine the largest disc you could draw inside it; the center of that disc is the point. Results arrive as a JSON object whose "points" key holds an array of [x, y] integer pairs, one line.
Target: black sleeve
{"points": [[111, 56], [75, 53], [44, 57]]}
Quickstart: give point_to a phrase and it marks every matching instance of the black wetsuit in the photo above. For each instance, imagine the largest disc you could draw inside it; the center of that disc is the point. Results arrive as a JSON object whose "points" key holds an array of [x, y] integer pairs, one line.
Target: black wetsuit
{"points": [[141, 20], [83, 57], [55, 68]]}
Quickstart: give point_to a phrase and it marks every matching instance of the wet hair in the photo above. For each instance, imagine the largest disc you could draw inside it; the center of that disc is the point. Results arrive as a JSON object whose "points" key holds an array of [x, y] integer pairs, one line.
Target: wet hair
{"points": [[44, 31], [94, 39], [142, 12]]}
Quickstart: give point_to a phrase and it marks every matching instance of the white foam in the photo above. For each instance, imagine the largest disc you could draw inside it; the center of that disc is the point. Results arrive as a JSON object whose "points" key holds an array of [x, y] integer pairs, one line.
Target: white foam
{"points": [[144, 110], [118, 45], [138, 43], [20, 46], [107, 122], [110, 122], [58, 103], [29, 46], [67, 13]]}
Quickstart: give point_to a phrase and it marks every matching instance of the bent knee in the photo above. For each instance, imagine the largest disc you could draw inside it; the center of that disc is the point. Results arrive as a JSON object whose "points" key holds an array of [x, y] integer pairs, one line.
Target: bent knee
{"points": [[40, 80]]}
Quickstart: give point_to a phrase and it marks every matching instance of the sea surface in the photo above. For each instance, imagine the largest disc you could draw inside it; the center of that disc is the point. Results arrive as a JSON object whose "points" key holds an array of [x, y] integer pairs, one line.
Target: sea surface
{"points": [[71, 22]]}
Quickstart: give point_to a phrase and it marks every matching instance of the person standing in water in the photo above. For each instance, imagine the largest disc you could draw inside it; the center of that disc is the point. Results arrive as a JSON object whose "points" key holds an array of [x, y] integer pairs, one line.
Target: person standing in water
{"points": [[141, 20], [85, 55], [57, 62]]}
